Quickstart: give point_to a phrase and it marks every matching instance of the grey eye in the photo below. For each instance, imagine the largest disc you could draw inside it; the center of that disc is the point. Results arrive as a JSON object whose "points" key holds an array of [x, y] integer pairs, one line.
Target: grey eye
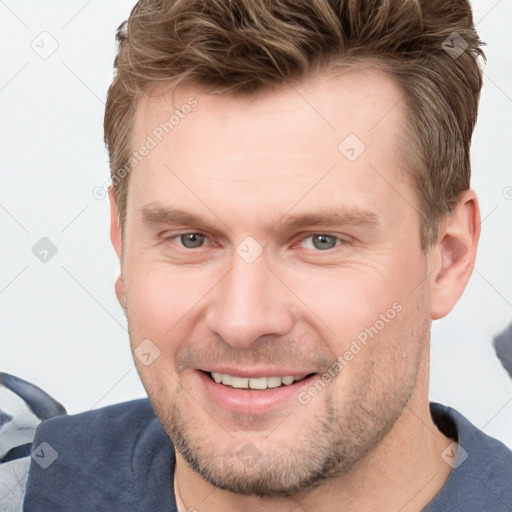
{"points": [[324, 242], [192, 240]]}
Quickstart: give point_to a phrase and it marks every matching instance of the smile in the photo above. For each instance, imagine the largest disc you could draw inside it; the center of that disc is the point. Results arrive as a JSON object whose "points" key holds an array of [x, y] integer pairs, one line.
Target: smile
{"points": [[259, 383], [256, 391]]}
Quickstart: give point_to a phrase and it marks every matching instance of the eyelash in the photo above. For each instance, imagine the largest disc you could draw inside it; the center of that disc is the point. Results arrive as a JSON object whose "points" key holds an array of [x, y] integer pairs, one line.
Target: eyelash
{"points": [[339, 241]]}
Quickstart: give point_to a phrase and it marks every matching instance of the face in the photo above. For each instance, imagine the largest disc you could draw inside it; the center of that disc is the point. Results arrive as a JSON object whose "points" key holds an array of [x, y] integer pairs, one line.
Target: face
{"points": [[274, 279]]}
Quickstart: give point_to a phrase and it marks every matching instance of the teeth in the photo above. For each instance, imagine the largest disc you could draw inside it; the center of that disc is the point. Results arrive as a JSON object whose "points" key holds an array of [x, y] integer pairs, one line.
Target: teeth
{"points": [[287, 380], [273, 382], [238, 382], [259, 383], [227, 380], [254, 383]]}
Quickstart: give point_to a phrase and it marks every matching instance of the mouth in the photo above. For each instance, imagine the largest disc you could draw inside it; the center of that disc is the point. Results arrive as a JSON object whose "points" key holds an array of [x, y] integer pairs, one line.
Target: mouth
{"points": [[256, 383], [253, 393]]}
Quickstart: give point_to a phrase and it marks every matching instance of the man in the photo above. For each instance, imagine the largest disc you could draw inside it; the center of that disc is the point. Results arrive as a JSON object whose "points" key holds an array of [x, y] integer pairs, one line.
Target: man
{"points": [[291, 210]]}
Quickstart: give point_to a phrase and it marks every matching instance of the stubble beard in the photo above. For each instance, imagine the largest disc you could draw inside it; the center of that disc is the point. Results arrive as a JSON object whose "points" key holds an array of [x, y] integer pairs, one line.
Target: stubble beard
{"points": [[326, 448]]}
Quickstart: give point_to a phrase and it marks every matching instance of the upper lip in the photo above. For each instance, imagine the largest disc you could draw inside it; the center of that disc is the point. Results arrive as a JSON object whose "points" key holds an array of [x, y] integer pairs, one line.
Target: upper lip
{"points": [[254, 373]]}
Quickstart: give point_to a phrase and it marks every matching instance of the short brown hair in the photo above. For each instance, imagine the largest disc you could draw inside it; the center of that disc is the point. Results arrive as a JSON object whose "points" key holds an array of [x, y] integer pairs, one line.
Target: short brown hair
{"points": [[430, 47]]}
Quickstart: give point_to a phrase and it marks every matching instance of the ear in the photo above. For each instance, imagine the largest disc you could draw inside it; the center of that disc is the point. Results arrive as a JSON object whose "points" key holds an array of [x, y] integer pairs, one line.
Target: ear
{"points": [[455, 253], [115, 237]]}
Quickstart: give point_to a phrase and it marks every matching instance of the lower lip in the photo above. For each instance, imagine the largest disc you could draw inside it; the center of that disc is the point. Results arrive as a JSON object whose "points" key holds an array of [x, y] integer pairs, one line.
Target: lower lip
{"points": [[250, 401]]}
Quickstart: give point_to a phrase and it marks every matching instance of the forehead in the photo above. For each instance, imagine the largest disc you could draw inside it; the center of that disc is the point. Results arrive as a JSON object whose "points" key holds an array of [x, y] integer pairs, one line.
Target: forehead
{"points": [[367, 101], [335, 137]]}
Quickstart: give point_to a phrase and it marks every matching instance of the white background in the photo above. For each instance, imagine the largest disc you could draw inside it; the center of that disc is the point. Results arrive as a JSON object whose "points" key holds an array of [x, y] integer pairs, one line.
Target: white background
{"points": [[61, 327]]}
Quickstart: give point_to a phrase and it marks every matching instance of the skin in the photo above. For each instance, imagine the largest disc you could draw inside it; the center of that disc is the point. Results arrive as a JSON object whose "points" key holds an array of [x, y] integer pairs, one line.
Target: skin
{"points": [[246, 166]]}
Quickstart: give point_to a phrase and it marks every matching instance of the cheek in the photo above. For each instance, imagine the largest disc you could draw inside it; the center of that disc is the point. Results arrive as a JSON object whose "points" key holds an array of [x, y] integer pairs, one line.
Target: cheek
{"points": [[165, 305], [383, 354], [367, 312], [157, 304], [159, 295], [343, 303]]}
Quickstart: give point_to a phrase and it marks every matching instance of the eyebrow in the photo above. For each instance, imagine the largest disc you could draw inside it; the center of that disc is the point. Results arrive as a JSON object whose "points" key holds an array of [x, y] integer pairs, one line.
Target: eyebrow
{"points": [[153, 214], [330, 217]]}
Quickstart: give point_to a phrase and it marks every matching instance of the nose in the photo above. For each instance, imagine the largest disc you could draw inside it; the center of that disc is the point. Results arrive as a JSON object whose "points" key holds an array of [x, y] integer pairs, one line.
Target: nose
{"points": [[249, 303]]}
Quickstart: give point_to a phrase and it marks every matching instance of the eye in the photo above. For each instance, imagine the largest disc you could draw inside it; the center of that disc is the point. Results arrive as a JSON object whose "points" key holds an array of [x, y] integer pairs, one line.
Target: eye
{"points": [[321, 242], [191, 240]]}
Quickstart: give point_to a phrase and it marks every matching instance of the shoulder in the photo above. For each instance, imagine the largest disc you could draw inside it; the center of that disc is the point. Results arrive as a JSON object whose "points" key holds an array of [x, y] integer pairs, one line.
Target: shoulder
{"points": [[117, 455], [22, 408], [126, 416], [123, 428], [481, 467]]}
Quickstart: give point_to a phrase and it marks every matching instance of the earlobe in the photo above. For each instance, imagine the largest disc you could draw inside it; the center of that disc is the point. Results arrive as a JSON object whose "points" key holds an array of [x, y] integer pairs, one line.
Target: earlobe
{"points": [[456, 252], [115, 228], [121, 292]]}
